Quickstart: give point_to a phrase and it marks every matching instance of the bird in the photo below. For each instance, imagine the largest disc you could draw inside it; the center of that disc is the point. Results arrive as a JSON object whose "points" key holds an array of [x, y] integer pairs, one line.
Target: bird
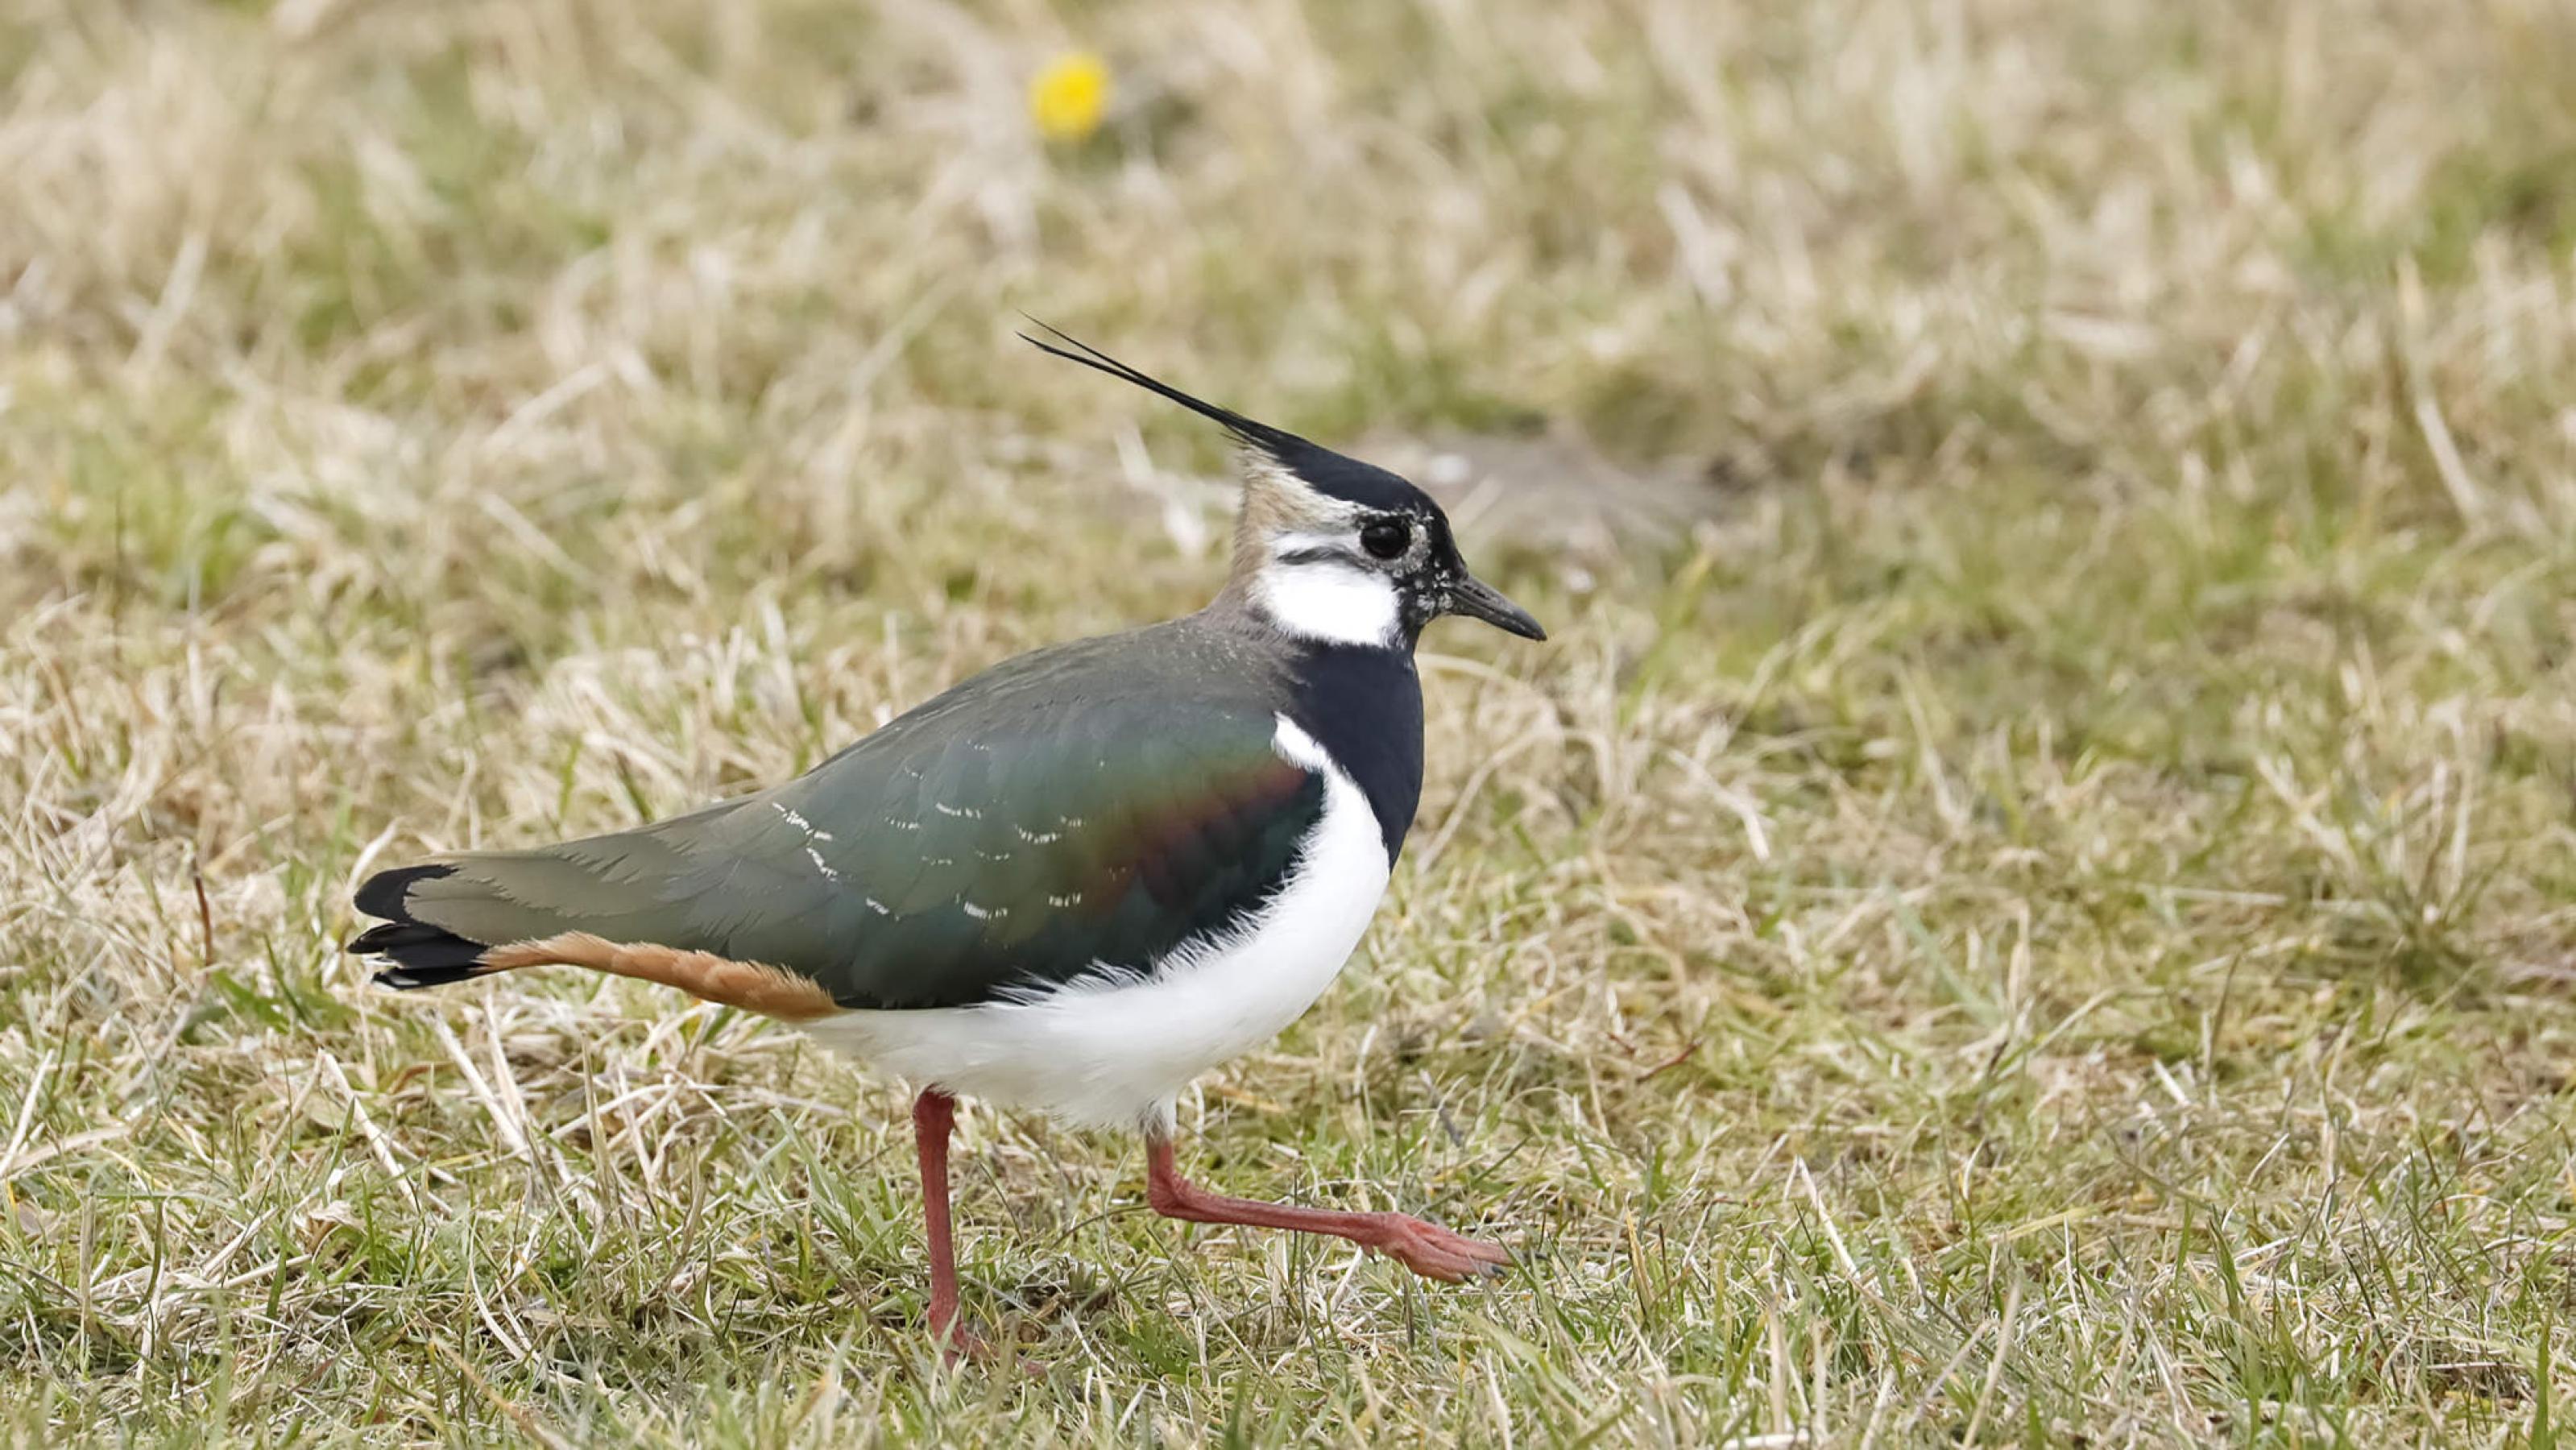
{"points": [[1071, 884]]}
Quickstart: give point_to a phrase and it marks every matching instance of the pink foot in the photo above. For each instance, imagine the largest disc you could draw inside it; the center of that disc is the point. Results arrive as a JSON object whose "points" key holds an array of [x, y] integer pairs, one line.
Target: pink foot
{"points": [[1435, 1252]]}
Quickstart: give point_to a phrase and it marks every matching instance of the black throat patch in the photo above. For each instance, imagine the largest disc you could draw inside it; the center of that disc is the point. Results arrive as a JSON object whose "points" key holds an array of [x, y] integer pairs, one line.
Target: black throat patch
{"points": [[1364, 706]]}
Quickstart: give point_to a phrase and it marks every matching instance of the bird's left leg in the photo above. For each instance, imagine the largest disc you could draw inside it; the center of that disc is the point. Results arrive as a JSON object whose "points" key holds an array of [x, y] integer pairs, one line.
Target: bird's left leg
{"points": [[934, 1114], [1425, 1248]]}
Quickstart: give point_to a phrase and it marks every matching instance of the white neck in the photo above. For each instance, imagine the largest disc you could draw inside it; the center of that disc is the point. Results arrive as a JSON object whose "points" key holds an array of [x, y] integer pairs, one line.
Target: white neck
{"points": [[1330, 603]]}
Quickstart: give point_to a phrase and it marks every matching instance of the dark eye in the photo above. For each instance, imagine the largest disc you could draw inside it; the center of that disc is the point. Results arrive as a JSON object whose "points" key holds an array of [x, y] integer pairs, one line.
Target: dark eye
{"points": [[1386, 538]]}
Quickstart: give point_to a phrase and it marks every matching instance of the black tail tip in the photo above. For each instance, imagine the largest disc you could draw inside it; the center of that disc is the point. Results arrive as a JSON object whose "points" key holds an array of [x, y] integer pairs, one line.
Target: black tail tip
{"points": [[417, 954]]}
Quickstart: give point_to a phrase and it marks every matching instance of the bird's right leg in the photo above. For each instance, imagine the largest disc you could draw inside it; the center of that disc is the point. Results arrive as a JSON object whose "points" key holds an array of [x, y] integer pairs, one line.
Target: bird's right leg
{"points": [[1425, 1248]]}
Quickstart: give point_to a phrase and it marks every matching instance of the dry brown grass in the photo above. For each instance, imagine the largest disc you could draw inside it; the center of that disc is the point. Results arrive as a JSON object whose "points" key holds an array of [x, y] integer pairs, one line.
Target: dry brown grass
{"points": [[2045, 911]]}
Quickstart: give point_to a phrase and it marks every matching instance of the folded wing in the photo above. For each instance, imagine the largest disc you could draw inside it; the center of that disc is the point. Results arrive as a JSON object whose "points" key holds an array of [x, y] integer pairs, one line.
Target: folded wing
{"points": [[1009, 836]]}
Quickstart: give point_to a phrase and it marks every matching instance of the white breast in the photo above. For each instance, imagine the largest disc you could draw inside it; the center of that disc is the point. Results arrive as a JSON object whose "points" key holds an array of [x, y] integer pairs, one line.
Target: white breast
{"points": [[1118, 1047]]}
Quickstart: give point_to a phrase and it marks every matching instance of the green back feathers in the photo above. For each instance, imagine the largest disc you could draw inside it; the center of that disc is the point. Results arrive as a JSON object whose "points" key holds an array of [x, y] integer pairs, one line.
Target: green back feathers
{"points": [[1086, 807]]}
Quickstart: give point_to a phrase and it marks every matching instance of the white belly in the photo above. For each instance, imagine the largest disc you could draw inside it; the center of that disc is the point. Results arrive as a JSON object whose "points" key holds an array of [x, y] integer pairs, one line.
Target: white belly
{"points": [[1118, 1047]]}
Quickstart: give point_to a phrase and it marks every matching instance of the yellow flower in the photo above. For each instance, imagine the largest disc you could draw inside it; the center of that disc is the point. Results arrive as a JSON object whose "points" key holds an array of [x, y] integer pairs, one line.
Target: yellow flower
{"points": [[1068, 96]]}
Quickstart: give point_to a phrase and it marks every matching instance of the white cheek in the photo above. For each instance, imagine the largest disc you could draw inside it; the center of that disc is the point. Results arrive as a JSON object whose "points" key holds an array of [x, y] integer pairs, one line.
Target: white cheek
{"points": [[1330, 602]]}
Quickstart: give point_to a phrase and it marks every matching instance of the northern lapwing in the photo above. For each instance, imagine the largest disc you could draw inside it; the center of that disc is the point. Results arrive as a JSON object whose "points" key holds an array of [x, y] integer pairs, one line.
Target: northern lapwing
{"points": [[1072, 883]]}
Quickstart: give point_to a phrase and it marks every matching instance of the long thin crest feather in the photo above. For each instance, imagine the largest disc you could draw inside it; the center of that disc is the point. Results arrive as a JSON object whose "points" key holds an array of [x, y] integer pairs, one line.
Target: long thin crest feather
{"points": [[1274, 441], [1314, 466]]}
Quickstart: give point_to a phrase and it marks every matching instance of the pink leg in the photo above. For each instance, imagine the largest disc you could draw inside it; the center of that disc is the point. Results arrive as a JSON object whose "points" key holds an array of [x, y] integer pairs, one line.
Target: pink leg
{"points": [[934, 1113], [1425, 1248]]}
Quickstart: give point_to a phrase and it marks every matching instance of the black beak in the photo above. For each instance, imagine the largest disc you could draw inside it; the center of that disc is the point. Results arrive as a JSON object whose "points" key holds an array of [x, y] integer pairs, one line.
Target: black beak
{"points": [[1477, 599]]}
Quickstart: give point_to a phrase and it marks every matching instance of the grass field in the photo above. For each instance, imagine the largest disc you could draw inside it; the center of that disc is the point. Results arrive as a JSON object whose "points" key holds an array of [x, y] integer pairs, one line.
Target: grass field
{"points": [[2032, 899]]}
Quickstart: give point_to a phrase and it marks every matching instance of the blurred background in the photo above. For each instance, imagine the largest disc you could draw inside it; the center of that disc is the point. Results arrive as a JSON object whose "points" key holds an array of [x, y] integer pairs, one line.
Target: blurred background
{"points": [[2029, 895]]}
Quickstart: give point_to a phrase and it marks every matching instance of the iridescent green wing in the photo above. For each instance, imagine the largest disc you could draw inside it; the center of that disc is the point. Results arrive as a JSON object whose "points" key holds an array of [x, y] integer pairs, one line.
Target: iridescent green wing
{"points": [[1080, 810]]}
